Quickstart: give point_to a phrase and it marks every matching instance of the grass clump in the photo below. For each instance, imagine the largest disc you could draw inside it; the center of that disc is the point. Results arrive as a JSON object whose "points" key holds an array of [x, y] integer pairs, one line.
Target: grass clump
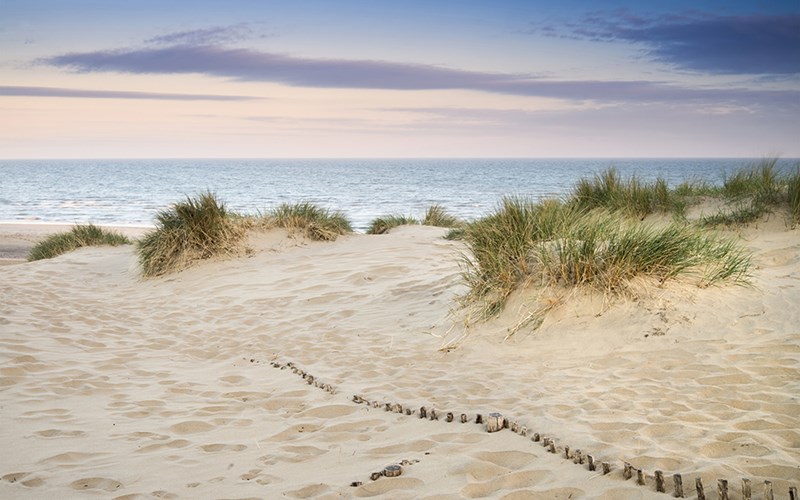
{"points": [[559, 244], [436, 215], [793, 194], [384, 224], [197, 228], [312, 221], [631, 196], [79, 236]]}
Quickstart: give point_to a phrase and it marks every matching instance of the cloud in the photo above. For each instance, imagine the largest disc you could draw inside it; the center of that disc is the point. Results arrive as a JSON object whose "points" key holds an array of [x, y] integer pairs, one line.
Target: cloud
{"points": [[745, 45], [205, 36], [251, 65], [13, 91]]}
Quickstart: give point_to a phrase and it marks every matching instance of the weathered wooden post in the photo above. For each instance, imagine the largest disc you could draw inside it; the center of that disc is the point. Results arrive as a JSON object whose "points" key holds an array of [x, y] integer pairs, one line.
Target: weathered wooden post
{"points": [[660, 481], [463, 418], [627, 471], [433, 414], [552, 448], [494, 422], [722, 489], [639, 477], [478, 418], [678, 480], [449, 417], [592, 465], [566, 451], [747, 490], [536, 437], [606, 468], [423, 412], [523, 432], [698, 484], [578, 457], [392, 470], [768, 494], [792, 493]]}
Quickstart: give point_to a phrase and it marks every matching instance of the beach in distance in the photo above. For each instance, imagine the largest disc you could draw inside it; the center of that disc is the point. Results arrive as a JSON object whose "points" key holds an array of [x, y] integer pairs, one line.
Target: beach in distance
{"points": [[299, 369]]}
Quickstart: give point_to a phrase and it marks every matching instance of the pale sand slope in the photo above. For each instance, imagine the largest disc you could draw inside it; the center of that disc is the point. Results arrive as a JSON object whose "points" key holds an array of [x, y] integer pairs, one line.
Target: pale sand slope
{"points": [[116, 387]]}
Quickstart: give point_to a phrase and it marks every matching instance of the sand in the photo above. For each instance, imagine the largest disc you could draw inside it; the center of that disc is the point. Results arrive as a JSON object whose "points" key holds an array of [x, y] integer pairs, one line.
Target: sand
{"points": [[184, 387]]}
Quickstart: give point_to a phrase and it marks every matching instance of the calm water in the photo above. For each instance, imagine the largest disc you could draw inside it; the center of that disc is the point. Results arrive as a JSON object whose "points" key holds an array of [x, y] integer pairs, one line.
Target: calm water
{"points": [[130, 192]]}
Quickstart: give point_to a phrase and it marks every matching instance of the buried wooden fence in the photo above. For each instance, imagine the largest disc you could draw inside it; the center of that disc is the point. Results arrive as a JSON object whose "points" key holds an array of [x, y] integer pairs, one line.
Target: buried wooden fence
{"points": [[495, 422]]}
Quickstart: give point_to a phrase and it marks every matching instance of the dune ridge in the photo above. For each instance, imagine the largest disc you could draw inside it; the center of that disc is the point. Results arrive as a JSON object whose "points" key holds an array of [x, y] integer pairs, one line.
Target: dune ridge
{"points": [[114, 386]]}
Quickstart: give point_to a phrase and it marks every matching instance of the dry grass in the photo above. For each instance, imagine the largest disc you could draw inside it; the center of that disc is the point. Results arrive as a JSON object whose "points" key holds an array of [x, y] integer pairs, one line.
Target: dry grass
{"points": [[79, 236]]}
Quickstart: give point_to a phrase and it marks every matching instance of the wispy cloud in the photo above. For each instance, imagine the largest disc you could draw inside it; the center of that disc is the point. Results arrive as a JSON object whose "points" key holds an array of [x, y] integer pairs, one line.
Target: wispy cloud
{"points": [[253, 65], [205, 36], [16, 91], [702, 42]]}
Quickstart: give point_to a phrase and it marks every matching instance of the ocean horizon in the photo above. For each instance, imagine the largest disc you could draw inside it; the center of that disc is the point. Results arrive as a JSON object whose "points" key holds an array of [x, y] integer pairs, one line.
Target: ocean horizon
{"points": [[130, 192]]}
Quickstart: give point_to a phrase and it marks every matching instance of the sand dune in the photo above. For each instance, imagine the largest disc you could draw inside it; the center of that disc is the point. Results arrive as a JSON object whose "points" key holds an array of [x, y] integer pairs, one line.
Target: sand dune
{"points": [[183, 387]]}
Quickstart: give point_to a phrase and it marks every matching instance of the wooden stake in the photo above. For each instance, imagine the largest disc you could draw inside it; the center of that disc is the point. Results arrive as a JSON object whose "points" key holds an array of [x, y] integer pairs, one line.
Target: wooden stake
{"points": [[536, 437], [566, 452], [592, 466], [698, 484], [639, 477], [606, 468], [463, 418], [659, 481], [768, 494], [449, 417], [524, 431], [392, 470], [579, 457], [423, 413], [494, 422], [627, 471], [408, 411], [552, 448], [793, 493], [387, 407], [515, 427], [545, 441], [434, 415], [722, 489], [398, 408], [678, 485], [747, 490], [478, 418], [375, 476]]}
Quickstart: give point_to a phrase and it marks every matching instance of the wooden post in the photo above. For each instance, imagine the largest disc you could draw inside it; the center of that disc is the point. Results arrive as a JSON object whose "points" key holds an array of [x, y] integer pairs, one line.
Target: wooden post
{"points": [[494, 422], [660, 481], [722, 489], [678, 485], [639, 477], [408, 411], [478, 418], [463, 418], [515, 427], [356, 399], [545, 441], [627, 471], [449, 417], [747, 490], [433, 414], [398, 408], [423, 412], [579, 457], [592, 466], [768, 494], [375, 476], [698, 484], [524, 431], [793, 493], [566, 452], [387, 407], [606, 468], [552, 448], [536, 437], [392, 470]]}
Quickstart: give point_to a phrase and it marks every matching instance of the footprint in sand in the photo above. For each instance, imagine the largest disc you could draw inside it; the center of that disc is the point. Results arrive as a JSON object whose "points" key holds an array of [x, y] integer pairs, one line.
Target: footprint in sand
{"points": [[96, 483]]}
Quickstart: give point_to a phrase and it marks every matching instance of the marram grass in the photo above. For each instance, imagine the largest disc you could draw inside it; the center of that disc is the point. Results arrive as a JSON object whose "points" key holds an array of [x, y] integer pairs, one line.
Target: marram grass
{"points": [[195, 229], [558, 244], [79, 236], [384, 224], [436, 215], [310, 220]]}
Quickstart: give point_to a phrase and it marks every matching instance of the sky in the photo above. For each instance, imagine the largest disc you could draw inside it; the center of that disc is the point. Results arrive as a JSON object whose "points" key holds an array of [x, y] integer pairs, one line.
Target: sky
{"points": [[385, 79]]}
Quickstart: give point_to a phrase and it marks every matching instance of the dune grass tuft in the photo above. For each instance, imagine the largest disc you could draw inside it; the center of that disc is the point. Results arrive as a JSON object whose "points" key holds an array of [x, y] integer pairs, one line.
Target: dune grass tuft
{"points": [[311, 220], [79, 236], [559, 244], [384, 224], [195, 229], [631, 196], [793, 192], [436, 215]]}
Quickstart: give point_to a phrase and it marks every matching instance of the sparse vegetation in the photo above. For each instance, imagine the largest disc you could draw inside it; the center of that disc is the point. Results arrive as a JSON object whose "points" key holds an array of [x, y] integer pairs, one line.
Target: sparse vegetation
{"points": [[79, 236], [560, 244], [195, 229], [631, 196], [312, 221], [383, 225], [436, 215], [793, 193]]}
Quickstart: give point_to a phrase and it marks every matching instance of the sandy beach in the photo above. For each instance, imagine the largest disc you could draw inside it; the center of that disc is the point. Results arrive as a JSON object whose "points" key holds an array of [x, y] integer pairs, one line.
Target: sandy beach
{"points": [[196, 385]]}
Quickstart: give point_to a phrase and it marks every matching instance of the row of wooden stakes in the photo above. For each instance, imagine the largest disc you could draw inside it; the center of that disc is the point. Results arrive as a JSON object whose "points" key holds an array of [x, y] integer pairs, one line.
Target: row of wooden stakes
{"points": [[495, 422]]}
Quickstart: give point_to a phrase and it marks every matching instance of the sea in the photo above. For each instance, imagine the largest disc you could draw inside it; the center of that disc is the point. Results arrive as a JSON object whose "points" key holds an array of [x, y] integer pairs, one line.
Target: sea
{"points": [[132, 192]]}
